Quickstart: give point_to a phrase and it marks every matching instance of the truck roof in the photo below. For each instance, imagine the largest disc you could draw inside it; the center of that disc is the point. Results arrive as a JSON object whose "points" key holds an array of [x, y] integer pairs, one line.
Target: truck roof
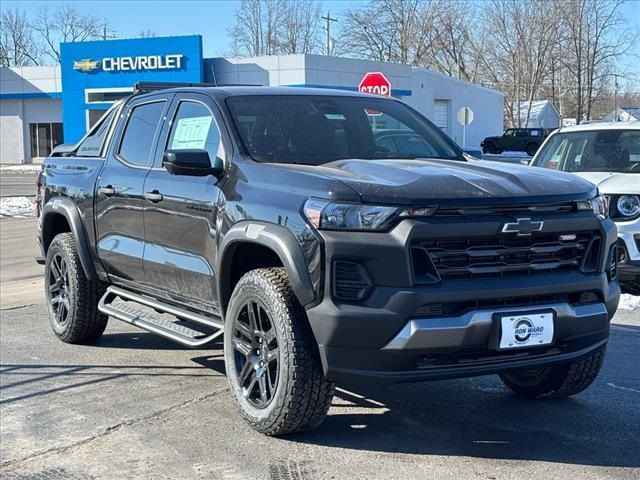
{"points": [[229, 91]]}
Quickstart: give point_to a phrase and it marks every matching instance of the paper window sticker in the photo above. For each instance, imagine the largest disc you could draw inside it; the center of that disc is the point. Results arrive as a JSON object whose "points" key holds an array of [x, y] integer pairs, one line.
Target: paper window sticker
{"points": [[191, 132]]}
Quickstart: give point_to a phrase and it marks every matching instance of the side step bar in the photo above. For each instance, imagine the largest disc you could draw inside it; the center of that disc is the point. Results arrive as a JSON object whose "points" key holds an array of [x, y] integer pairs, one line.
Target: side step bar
{"points": [[148, 321]]}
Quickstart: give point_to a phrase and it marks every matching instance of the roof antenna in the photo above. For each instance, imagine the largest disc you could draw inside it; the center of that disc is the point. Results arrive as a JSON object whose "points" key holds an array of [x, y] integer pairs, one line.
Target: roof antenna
{"points": [[213, 75]]}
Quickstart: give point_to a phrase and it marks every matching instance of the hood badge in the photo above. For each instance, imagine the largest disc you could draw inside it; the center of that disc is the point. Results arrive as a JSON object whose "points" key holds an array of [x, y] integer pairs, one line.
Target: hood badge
{"points": [[523, 227]]}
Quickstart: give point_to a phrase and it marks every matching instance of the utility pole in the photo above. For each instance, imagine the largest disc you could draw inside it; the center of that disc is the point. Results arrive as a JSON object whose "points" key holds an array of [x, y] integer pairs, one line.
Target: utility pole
{"points": [[328, 28], [615, 97]]}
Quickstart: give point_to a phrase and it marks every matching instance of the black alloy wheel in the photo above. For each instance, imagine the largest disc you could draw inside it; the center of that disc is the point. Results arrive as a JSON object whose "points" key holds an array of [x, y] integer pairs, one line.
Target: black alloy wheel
{"points": [[256, 354], [58, 292]]}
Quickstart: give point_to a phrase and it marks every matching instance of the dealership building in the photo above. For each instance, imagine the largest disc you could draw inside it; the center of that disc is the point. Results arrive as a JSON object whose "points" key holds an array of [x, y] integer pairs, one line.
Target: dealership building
{"points": [[41, 107]]}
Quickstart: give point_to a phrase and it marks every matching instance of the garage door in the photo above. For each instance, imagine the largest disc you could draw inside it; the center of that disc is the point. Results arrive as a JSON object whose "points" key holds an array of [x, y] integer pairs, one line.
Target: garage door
{"points": [[441, 114]]}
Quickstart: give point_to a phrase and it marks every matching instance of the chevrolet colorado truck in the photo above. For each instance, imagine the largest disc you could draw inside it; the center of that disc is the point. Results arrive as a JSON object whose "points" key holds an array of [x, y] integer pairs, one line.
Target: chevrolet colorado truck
{"points": [[271, 219]]}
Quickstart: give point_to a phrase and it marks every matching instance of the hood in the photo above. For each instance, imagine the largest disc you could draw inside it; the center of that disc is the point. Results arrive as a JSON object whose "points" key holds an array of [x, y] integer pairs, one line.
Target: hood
{"points": [[420, 181], [614, 183]]}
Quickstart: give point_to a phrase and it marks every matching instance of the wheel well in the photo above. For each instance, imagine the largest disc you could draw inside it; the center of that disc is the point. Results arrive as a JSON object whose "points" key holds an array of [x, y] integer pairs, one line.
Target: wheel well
{"points": [[54, 224], [242, 258]]}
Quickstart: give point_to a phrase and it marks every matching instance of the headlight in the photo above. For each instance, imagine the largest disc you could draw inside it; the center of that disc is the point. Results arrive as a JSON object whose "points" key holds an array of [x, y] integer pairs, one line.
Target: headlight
{"points": [[628, 205], [348, 216], [599, 205]]}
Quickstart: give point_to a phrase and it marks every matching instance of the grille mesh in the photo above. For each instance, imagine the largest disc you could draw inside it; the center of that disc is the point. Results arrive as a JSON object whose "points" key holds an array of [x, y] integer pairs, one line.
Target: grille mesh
{"points": [[491, 256]]}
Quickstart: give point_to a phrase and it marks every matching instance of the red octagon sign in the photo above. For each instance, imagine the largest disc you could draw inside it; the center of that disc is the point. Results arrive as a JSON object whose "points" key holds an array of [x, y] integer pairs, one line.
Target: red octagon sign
{"points": [[375, 82]]}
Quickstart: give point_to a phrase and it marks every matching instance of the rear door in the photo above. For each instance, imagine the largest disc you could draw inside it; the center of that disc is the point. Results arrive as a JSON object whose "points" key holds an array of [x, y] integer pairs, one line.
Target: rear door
{"points": [[181, 211], [119, 188]]}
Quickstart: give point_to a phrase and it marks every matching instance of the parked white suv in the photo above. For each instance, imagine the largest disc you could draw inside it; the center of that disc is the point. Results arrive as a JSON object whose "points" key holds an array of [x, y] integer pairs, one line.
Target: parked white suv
{"points": [[607, 154]]}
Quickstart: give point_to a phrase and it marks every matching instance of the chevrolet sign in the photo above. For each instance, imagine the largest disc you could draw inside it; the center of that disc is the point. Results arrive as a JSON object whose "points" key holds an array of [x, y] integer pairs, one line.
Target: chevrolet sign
{"points": [[124, 64], [86, 65]]}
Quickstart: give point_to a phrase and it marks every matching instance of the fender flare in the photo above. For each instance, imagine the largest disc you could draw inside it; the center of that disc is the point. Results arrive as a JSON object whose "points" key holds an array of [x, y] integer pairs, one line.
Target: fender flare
{"points": [[279, 239], [65, 207]]}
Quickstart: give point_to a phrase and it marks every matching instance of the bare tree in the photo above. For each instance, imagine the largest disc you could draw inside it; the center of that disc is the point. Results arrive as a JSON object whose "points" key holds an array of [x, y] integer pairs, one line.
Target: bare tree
{"points": [[596, 36], [300, 27], [17, 45], [270, 27], [257, 26], [67, 24], [388, 30], [521, 36], [146, 34]]}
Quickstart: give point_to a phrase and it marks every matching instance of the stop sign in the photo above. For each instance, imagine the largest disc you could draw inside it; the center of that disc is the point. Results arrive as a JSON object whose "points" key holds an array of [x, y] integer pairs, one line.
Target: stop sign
{"points": [[375, 82]]}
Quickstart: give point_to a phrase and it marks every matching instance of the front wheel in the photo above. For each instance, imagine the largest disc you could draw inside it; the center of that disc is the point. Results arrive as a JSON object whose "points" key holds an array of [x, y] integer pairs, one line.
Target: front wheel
{"points": [[72, 298], [556, 381], [272, 361]]}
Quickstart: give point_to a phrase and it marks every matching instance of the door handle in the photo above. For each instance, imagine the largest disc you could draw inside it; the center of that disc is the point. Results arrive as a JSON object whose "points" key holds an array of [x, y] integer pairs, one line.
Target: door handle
{"points": [[154, 196], [107, 191]]}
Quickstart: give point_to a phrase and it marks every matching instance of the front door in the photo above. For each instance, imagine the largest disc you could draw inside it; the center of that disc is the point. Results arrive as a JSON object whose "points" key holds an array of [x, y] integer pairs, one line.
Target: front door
{"points": [[180, 211], [119, 190]]}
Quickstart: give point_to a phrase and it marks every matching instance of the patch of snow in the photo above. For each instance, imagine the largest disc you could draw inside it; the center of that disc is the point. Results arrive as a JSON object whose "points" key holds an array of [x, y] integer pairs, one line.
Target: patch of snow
{"points": [[17, 207], [629, 302], [21, 168]]}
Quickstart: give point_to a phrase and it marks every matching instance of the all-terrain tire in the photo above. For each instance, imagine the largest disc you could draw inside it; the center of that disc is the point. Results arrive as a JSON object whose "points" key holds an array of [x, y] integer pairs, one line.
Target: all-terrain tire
{"points": [[490, 148], [83, 322], [302, 395], [557, 381]]}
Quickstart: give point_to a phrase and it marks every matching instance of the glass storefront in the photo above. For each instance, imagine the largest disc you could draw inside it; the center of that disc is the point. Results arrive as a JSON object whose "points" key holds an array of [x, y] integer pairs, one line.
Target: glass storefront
{"points": [[44, 137]]}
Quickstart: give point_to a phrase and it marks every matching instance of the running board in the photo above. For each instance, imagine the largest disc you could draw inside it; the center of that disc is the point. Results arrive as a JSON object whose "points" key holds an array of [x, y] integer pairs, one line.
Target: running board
{"points": [[134, 315]]}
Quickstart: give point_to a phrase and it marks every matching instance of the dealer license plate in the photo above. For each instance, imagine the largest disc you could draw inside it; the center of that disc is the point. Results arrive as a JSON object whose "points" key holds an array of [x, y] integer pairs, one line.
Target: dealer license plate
{"points": [[526, 330]]}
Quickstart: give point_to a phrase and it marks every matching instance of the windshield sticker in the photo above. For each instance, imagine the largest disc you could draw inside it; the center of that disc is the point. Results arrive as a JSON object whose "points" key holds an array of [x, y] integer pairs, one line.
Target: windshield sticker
{"points": [[334, 116], [191, 133]]}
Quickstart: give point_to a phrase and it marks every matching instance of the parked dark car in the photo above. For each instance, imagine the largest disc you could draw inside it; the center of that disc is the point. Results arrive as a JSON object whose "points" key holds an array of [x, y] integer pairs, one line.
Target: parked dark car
{"points": [[271, 218], [516, 140]]}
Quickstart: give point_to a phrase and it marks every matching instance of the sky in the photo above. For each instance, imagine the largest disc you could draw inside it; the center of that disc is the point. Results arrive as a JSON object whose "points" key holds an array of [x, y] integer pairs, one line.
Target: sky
{"points": [[212, 19]]}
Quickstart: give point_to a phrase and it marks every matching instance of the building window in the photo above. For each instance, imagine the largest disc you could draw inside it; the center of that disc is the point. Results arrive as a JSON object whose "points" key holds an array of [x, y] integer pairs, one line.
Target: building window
{"points": [[44, 137], [94, 115], [106, 95]]}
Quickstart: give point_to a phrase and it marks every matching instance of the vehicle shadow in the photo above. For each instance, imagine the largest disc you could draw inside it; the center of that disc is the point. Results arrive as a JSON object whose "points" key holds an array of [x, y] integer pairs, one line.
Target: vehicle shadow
{"points": [[478, 418], [142, 340]]}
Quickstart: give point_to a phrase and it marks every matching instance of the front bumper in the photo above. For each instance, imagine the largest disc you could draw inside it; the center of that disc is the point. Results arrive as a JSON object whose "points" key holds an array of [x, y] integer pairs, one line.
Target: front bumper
{"points": [[629, 241], [383, 338]]}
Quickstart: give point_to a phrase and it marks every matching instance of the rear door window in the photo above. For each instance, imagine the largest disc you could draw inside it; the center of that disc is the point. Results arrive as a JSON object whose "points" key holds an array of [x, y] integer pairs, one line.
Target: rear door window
{"points": [[137, 141]]}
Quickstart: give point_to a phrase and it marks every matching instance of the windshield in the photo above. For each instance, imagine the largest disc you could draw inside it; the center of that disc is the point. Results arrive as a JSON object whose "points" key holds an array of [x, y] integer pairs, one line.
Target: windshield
{"points": [[594, 151], [316, 129]]}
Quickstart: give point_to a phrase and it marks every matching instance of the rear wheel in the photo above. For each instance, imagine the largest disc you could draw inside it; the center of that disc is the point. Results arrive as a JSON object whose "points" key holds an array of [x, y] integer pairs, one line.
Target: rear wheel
{"points": [[556, 381], [490, 148], [72, 298], [272, 361]]}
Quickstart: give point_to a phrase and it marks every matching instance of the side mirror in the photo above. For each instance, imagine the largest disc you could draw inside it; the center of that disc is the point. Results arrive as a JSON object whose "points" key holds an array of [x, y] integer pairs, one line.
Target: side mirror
{"points": [[192, 162]]}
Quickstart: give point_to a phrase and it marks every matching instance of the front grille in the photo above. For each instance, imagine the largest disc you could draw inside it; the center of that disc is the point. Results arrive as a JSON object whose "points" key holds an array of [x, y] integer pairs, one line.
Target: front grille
{"points": [[502, 210], [510, 255]]}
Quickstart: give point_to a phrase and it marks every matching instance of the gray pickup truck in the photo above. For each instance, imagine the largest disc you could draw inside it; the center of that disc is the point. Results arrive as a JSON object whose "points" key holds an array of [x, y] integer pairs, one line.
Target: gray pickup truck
{"points": [[271, 218]]}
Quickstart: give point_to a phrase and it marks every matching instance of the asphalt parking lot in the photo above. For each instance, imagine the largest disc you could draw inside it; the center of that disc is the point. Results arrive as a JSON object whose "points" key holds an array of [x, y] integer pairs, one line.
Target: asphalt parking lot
{"points": [[137, 406]]}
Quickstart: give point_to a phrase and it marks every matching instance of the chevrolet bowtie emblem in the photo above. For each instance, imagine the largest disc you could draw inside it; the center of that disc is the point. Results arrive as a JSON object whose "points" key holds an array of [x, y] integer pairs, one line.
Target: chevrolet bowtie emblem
{"points": [[86, 65], [522, 227]]}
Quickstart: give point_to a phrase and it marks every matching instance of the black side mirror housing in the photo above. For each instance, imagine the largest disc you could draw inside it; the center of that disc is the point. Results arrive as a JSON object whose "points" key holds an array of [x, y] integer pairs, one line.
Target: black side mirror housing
{"points": [[193, 162]]}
